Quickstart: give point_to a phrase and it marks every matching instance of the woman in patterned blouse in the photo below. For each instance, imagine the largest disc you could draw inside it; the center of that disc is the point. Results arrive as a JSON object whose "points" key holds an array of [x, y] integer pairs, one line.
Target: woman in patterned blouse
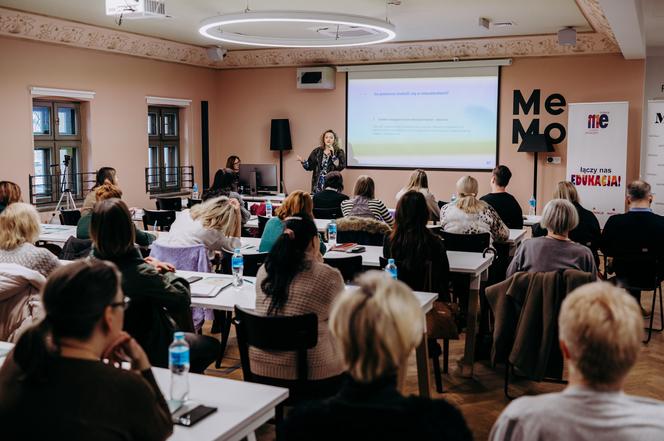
{"points": [[324, 159]]}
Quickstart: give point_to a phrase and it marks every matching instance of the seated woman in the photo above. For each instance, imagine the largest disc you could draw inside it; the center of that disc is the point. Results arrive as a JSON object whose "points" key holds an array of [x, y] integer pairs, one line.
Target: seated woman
{"points": [[54, 384], [223, 186], [369, 405], [105, 175], [587, 232], [331, 196], [297, 202], [364, 202], [103, 192], [293, 281], [420, 182], [412, 244], [9, 193], [159, 299], [214, 223], [555, 251], [469, 215], [19, 230]]}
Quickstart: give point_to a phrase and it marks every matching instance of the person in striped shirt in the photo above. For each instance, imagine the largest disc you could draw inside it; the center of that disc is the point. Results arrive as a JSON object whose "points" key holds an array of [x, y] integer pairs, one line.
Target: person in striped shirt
{"points": [[364, 202]]}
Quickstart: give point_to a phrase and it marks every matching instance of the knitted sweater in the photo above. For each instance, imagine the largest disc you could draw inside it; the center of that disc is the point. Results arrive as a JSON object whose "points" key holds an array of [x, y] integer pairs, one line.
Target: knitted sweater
{"points": [[32, 257], [454, 220]]}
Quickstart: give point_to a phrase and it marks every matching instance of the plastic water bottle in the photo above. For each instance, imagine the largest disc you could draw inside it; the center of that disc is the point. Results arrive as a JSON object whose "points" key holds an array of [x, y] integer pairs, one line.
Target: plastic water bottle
{"points": [[391, 268], [178, 363], [237, 263], [268, 208], [332, 233], [453, 198], [194, 191], [532, 203]]}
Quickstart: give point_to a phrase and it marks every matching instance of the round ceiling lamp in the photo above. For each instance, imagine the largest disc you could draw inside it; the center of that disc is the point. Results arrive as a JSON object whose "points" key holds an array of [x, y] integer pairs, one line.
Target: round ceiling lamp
{"points": [[376, 31]]}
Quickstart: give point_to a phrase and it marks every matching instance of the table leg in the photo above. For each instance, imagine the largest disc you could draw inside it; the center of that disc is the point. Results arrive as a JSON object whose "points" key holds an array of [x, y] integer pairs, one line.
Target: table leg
{"points": [[471, 327], [423, 375]]}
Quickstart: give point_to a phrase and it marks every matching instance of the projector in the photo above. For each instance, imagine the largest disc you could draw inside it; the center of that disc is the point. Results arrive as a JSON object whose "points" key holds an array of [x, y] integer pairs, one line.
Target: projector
{"points": [[136, 9]]}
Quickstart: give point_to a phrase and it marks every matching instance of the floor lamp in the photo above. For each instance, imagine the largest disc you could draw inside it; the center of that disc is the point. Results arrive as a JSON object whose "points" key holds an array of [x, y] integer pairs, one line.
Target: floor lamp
{"points": [[280, 139], [535, 143]]}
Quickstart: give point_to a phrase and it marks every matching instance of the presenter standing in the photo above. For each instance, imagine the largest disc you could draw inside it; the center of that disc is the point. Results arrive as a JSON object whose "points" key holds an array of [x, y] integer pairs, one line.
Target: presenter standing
{"points": [[324, 159]]}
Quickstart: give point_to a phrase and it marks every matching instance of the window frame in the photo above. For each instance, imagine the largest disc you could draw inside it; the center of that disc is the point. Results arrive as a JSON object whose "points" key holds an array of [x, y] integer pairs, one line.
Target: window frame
{"points": [[160, 142], [57, 105]]}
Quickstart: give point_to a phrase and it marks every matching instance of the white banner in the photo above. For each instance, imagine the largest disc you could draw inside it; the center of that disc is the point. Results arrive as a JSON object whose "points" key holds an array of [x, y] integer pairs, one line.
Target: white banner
{"points": [[654, 154], [597, 155]]}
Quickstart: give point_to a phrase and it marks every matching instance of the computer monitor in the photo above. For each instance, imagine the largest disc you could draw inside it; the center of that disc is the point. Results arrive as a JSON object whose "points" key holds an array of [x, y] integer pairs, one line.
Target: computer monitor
{"points": [[258, 177]]}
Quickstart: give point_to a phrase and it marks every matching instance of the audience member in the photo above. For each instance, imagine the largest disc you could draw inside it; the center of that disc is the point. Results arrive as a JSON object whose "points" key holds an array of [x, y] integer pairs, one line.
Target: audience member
{"points": [[469, 215], [19, 230], [600, 337], [413, 245], [105, 175], [233, 164], [158, 296], [103, 192], [54, 384], [555, 251], [9, 193], [298, 202], [376, 326], [293, 281], [419, 182], [223, 186], [364, 202], [639, 229], [332, 196], [587, 232], [504, 203], [214, 223]]}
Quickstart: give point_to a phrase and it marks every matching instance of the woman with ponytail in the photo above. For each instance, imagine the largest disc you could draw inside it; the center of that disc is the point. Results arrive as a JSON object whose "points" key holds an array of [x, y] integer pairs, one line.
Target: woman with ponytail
{"points": [[54, 384], [294, 281]]}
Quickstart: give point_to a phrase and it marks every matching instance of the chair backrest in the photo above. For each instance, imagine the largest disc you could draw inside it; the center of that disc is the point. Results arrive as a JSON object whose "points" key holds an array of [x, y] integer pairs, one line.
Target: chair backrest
{"points": [[637, 270], [441, 204], [360, 237], [160, 220], [53, 248], [275, 333], [475, 243], [328, 213], [349, 266], [76, 248], [189, 258], [191, 202], [362, 230], [70, 217], [262, 221], [174, 204], [252, 262], [423, 282]]}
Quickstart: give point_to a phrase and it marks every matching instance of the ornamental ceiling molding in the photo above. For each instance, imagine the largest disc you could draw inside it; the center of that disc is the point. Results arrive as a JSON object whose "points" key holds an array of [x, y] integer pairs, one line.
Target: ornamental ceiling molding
{"points": [[25, 25], [594, 14]]}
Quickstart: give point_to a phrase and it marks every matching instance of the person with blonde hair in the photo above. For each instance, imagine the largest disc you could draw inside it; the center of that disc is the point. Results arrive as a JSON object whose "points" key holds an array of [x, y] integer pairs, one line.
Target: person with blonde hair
{"points": [[587, 232], [214, 223], [600, 332], [9, 193], [298, 202], [327, 157], [364, 202], [420, 182], [469, 215], [19, 230], [369, 405], [555, 251]]}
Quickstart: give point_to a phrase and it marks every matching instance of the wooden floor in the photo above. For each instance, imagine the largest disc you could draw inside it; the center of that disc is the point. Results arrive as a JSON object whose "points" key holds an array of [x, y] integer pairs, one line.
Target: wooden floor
{"points": [[481, 399]]}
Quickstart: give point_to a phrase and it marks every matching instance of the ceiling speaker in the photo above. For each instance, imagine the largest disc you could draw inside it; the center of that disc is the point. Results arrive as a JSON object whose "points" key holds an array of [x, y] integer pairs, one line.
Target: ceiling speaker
{"points": [[567, 37], [216, 53]]}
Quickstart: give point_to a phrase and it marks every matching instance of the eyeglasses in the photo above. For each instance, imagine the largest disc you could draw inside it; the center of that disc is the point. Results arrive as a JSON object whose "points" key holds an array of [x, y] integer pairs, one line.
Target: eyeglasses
{"points": [[124, 303]]}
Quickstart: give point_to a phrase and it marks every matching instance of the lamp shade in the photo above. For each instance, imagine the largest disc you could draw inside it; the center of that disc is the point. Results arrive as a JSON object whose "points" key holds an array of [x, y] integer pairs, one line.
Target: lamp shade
{"points": [[280, 138], [535, 144]]}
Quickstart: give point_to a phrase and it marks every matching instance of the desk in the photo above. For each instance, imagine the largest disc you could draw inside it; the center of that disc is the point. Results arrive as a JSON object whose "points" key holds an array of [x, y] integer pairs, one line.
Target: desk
{"points": [[57, 234], [321, 224], [263, 198], [530, 220]]}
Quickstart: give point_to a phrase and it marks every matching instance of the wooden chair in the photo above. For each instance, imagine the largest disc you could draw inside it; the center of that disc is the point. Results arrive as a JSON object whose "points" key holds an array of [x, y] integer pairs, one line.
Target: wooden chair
{"points": [[70, 217], [172, 204], [327, 213], [289, 334], [160, 220], [349, 266]]}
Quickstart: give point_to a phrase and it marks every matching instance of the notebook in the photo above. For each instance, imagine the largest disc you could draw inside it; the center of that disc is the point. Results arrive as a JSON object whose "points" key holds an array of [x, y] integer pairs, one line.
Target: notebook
{"points": [[343, 247], [201, 289]]}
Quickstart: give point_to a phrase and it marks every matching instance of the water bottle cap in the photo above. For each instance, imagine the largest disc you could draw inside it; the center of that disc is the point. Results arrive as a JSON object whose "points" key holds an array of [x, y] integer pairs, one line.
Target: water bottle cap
{"points": [[178, 335], [237, 251], [390, 261]]}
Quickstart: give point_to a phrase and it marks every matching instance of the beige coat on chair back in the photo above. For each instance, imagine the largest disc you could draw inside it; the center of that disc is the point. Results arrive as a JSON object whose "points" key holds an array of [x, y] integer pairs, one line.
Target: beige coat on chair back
{"points": [[20, 302]]}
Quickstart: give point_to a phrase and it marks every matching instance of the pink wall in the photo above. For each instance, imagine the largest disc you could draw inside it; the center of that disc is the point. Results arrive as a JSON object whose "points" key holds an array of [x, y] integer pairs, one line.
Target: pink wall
{"points": [[249, 98], [117, 130]]}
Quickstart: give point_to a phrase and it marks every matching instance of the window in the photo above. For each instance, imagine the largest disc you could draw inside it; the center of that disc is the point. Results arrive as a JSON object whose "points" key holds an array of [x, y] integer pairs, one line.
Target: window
{"points": [[56, 128], [163, 149]]}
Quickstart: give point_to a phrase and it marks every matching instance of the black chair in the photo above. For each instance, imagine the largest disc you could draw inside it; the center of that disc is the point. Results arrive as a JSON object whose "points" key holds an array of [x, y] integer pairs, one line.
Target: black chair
{"points": [[349, 266], [252, 262], [191, 202], [360, 237], [262, 221], [441, 204], [328, 213], [70, 217], [474, 243], [290, 334], [160, 220], [172, 204], [53, 248]]}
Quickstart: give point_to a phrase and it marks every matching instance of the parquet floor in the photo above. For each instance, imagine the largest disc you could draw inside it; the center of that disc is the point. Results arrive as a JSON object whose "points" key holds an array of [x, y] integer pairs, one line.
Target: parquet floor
{"points": [[481, 398]]}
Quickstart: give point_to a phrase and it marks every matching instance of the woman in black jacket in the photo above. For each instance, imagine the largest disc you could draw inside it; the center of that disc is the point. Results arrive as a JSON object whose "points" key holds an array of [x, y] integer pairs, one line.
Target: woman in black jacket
{"points": [[324, 159]]}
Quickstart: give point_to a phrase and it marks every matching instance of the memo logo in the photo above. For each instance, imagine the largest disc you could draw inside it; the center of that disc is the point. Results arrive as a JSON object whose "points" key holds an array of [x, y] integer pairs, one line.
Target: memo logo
{"points": [[659, 118], [599, 121]]}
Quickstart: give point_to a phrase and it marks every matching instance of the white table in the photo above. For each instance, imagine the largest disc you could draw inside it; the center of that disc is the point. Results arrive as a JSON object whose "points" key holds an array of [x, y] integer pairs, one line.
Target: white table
{"points": [[263, 198], [529, 220], [57, 234], [321, 224]]}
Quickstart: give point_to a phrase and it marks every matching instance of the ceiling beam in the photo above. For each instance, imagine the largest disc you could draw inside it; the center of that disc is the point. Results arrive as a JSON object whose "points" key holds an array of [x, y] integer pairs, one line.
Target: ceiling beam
{"points": [[626, 20]]}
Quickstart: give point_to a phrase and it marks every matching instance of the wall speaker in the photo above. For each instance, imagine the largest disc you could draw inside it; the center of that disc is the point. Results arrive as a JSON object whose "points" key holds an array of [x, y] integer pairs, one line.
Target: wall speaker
{"points": [[216, 53]]}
